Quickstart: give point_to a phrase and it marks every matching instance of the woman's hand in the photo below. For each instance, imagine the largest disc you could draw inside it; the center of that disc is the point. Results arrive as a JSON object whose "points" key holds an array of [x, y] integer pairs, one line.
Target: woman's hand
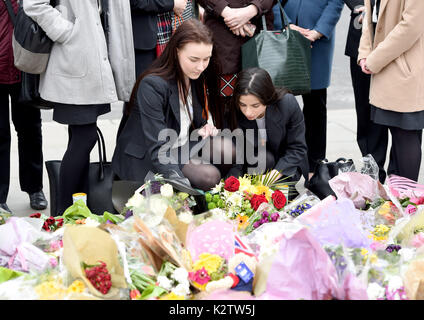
{"points": [[179, 7], [363, 64], [208, 130], [313, 35], [303, 31], [362, 11], [247, 30], [235, 18]]}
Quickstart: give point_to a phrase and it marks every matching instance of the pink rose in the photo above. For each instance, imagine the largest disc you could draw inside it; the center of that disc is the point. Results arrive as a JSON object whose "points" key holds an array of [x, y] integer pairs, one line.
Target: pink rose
{"points": [[410, 209], [417, 201], [418, 240]]}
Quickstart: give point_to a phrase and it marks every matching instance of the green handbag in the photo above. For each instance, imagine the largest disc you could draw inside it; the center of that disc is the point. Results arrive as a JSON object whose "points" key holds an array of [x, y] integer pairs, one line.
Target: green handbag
{"points": [[285, 54]]}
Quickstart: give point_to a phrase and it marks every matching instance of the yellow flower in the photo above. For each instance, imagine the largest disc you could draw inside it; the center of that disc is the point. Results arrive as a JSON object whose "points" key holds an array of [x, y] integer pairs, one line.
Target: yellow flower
{"points": [[50, 290], [211, 262], [171, 296], [245, 185], [242, 222], [385, 208], [76, 287], [364, 252], [260, 189]]}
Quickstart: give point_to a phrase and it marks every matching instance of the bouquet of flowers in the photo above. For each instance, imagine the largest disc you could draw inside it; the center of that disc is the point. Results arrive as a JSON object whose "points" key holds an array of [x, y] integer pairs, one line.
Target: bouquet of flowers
{"points": [[241, 197]]}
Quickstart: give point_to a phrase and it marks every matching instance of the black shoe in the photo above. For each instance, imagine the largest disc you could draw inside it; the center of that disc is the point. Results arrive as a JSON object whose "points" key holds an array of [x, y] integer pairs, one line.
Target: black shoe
{"points": [[5, 207], [37, 200]]}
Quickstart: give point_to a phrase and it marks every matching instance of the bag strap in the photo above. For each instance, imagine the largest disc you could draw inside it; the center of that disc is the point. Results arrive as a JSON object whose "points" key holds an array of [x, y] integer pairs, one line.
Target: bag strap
{"points": [[102, 153], [11, 12], [284, 16]]}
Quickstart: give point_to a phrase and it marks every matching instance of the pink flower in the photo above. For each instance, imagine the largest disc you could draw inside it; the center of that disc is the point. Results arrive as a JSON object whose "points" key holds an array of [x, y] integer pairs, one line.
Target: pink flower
{"points": [[377, 245], [418, 240], [53, 262], [417, 201], [200, 276], [410, 209]]}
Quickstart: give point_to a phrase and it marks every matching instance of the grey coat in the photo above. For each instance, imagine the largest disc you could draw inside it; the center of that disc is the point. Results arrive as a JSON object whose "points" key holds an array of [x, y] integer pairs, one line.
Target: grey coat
{"points": [[81, 69]]}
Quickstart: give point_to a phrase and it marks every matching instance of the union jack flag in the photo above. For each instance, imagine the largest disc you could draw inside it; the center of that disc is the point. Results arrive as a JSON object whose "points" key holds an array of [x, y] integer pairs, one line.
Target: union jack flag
{"points": [[402, 187], [241, 247]]}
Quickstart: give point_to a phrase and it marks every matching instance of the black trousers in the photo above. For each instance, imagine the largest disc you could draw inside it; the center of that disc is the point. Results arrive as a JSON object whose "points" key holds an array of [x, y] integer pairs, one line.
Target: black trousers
{"points": [[315, 114], [27, 123], [372, 138]]}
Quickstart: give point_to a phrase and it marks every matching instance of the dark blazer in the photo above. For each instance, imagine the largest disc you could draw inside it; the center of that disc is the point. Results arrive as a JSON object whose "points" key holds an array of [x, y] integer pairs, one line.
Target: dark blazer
{"points": [[285, 129], [354, 34], [144, 21], [158, 108]]}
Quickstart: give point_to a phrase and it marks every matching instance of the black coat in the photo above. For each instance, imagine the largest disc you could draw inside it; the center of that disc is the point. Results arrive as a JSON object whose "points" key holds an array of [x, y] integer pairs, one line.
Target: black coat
{"points": [[158, 108], [144, 20], [354, 34], [285, 129]]}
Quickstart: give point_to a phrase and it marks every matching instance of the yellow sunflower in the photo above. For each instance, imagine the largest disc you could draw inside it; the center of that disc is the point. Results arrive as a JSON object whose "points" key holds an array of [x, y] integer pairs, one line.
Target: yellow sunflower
{"points": [[242, 222], [260, 189]]}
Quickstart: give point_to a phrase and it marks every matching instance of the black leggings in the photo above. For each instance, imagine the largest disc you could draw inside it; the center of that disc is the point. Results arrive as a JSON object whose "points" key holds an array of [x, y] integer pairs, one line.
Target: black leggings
{"points": [[405, 154], [75, 163]]}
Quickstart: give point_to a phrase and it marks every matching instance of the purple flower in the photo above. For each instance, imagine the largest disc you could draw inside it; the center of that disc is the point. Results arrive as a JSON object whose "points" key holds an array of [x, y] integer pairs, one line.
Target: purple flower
{"points": [[265, 214], [264, 220], [393, 247], [128, 214], [275, 216], [257, 224]]}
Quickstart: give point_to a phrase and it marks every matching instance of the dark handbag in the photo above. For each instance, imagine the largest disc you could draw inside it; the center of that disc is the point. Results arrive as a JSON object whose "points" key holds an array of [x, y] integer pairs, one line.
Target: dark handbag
{"points": [[352, 4], [324, 171], [99, 196], [31, 45], [30, 95], [284, 54]]}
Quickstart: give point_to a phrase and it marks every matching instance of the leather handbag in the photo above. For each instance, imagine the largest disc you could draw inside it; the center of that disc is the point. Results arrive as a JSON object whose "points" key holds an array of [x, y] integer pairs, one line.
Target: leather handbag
{"points": [[284, 54], [99, 195], [324, 171], [30, 95]]}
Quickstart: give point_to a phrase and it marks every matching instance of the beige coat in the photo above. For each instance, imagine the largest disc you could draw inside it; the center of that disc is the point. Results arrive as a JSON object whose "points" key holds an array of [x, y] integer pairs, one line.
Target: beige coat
{"points": [[396, 56]]}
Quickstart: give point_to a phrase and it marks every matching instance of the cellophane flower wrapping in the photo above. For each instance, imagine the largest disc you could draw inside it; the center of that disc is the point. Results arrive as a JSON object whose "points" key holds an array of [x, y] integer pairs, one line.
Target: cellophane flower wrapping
{"points": [[308, 271], [302, 203]]}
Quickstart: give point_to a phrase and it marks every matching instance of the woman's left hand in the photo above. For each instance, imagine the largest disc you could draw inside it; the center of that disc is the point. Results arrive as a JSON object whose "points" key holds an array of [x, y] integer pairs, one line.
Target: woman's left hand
{"points": [[240, 16], [208, 130]]}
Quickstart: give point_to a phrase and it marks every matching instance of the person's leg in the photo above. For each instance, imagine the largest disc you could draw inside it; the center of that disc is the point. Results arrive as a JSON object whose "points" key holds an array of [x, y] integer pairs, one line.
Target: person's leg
{"points": [[202, 176], [4, 142], [75, 163], [372, 138], [315, 114], [27, 122], [406, 152]]}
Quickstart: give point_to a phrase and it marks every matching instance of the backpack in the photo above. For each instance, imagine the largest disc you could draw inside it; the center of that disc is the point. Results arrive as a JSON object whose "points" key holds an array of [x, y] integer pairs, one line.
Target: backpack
{"points": [[31, 45]]}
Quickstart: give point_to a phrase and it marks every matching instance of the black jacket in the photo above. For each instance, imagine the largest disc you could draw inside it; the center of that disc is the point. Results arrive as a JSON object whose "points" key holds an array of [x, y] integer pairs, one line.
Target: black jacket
{"points": [[354, 33], [144, 20], [285, 129], [158, 108]]}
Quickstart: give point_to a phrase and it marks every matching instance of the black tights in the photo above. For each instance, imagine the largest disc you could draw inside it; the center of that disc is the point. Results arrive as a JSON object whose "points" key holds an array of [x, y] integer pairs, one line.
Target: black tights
{"points": [[75, 163], [405, 154], [205, 171]]}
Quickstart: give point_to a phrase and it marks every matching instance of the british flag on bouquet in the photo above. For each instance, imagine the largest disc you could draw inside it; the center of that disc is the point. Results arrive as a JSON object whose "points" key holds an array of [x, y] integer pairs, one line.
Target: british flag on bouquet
{"points": [[241, 247], [402, 187]]}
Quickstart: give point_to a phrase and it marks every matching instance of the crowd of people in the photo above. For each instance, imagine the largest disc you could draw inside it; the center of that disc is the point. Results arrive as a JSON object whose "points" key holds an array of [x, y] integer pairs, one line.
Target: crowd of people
{"points": [[176, 65]]}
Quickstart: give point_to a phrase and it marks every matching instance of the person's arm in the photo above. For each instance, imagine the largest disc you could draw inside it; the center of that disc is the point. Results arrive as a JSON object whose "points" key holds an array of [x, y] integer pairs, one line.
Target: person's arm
{"points": [[329, 18], [152, 96], [296, 151], [152, 6], [213, 7], [401, 38], [365, 44], [49, 19]]}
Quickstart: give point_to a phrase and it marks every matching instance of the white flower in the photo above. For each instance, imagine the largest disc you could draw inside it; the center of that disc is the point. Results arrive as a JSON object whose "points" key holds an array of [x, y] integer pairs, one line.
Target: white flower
{"points": [[182, 290], [395, 283], [406, 254], [166, 190], [375, 291], [186, 217], [135, 201], [217, 188], [90, 222], [180, 275], [164, 282]]}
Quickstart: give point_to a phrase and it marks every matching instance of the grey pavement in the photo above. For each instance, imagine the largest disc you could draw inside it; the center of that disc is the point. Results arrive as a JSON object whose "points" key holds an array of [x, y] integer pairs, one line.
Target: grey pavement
{"points": [[341, 132]]}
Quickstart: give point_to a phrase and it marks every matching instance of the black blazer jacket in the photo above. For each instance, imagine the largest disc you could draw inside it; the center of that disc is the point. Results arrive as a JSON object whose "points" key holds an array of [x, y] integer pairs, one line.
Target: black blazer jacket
{"points": [[158, 108], [144, 21], [354, 34], [285, 129]]}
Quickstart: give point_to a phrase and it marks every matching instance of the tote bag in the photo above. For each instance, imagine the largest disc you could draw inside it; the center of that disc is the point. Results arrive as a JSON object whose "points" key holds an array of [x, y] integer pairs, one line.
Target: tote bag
{"points": [[284, 54]]}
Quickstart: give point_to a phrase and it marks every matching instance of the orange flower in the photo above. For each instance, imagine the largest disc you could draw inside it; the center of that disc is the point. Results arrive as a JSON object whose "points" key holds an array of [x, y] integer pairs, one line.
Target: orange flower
{"points": [[241, 222]]}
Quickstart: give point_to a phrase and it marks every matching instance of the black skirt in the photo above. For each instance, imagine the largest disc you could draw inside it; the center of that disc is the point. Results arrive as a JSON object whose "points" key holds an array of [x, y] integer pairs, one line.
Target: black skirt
{"points": [[78, 114], [403, 120]]}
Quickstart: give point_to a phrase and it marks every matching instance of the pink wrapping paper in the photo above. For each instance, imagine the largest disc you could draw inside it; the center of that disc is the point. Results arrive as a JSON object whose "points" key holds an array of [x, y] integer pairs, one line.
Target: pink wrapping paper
{"points": [[215, 237], [313, 214], [301, 270]]}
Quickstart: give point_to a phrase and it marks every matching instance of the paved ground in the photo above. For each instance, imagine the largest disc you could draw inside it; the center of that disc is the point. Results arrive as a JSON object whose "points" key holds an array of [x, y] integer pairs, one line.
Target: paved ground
{"points": [[341, 136]]}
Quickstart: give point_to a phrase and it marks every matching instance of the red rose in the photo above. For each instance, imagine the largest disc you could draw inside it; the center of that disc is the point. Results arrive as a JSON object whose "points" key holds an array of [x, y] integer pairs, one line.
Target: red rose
{"points": [[50, 221], [279, 200], [232, 184], [35, 215], [256, 201]]}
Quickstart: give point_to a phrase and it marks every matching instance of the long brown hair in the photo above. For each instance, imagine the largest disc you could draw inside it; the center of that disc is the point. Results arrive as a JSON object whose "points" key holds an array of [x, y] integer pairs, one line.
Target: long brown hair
{"points": [[167, 67]]}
